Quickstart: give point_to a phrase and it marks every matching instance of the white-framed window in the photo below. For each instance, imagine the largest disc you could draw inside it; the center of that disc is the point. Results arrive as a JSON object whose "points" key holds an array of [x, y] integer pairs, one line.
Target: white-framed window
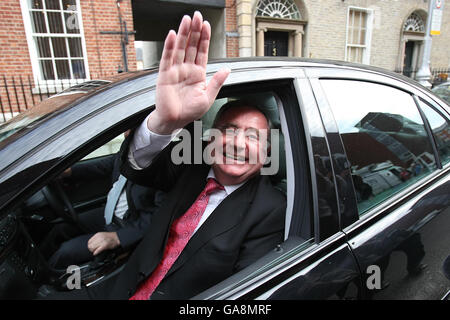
{"points": [[55, 40], [359, 35]]}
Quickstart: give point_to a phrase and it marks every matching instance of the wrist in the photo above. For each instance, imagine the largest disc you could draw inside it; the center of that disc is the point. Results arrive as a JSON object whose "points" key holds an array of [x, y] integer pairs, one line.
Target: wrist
{"points": [[162, 127]]}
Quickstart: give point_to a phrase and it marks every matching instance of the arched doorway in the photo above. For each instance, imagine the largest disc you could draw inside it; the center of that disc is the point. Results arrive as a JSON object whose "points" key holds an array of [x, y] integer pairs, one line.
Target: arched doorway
{"points": [[411, 46], [280, 28]]}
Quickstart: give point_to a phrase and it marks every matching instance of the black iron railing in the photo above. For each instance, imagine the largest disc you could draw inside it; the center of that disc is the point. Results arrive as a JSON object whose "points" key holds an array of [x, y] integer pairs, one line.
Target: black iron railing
{"points": [[438, 75]]}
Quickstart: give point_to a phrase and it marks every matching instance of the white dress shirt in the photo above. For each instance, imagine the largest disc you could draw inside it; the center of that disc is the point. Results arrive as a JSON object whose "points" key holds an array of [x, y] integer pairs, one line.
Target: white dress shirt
{"points": [[146, 144]]}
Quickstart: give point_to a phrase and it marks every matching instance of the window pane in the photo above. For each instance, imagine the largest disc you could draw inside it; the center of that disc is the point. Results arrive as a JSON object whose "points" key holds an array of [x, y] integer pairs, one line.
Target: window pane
{"points": [[35, 4], [360, 55], [355, 36], [71, 20], [78, 69], [54, 22], [75, 47], [59, 47], [52, 4], [43, 47], [62, 69], [69, 5], [356, 19], [47, 70], [384, 138], [38, 22], [441, 131], [362, 37]]}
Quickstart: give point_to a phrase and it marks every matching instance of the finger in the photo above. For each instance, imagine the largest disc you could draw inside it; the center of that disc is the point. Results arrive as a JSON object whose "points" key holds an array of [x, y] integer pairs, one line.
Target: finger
{"points": [[92, 247], [98, 250], [168, 51], [203, 46], [194, 37], [216, 83], [95, 241], [181, 41], [91, 243]]}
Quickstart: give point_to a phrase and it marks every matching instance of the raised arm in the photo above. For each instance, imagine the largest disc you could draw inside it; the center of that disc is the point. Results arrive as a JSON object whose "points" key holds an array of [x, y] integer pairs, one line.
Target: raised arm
{"points": [[182, 94]]}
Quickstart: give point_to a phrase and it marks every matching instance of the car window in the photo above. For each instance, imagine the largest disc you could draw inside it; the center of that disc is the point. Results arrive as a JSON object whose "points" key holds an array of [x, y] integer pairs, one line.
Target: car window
{"points": [[384, 137], [441, 131], [443, 91], [267, 102], [286, 148], [113, 146]]}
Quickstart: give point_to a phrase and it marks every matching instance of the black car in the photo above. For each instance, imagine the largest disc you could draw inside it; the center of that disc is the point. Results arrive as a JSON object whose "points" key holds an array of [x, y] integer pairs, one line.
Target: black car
{"points": [[363, 159], [443, 91]]}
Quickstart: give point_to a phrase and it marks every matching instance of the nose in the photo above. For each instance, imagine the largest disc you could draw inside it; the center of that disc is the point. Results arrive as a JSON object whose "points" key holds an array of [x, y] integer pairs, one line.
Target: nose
{"points": [[240, 140]]}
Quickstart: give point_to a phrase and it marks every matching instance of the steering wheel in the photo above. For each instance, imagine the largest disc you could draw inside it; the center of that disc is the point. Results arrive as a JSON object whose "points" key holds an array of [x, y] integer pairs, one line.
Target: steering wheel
{"points": [[60, 202]]}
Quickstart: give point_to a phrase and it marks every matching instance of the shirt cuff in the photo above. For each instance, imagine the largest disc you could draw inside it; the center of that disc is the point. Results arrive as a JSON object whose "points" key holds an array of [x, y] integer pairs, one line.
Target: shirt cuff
{"points": [[146, 144]]}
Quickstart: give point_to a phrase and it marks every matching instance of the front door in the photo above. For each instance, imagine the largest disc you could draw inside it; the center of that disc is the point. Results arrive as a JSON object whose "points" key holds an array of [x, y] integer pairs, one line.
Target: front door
{"points": [[408, 61], [276, 43]]}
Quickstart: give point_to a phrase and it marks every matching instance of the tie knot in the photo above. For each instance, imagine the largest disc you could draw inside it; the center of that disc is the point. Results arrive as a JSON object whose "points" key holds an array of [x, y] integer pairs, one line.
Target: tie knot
{"points": [[212, 185]]}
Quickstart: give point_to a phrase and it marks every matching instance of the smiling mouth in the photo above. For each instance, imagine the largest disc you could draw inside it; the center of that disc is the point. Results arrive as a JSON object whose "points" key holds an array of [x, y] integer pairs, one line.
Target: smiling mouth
{"points": [[235, 157]]}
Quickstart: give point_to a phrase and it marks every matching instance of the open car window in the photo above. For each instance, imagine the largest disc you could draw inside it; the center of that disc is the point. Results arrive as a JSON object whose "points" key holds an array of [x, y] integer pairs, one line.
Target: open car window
{"points": [[111, 147], [288, 175]]}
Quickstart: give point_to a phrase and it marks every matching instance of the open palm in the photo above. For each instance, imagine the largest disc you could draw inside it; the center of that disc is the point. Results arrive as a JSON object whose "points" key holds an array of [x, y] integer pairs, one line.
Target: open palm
{"points": [[182, 94]]}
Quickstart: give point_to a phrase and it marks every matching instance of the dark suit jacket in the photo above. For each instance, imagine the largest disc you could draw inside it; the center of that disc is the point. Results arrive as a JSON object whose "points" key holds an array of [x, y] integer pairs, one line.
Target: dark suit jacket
{"points": [[244, 227], [142, 201]]}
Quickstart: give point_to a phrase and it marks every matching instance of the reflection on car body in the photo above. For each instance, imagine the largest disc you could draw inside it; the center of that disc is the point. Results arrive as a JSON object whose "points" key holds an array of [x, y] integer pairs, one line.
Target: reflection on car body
{"points": [[365, 168]]}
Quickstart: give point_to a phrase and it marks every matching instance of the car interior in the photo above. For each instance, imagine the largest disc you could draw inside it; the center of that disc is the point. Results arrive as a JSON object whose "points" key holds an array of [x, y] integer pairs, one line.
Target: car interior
{"points": [[62, 200]]}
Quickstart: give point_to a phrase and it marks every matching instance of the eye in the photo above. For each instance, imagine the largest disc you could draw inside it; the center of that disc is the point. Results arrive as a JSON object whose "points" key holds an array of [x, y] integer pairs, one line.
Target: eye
{"points": [[231, 131], [251, 135]]}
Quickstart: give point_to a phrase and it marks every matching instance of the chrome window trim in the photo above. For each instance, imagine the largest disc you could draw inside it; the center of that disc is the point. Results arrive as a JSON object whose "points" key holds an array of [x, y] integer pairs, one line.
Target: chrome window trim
{"points": [[289, 169]]}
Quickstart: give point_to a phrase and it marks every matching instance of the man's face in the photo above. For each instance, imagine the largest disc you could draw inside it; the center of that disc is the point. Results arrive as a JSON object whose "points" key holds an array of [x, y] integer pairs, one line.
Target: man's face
{"points": [[242, 146]]}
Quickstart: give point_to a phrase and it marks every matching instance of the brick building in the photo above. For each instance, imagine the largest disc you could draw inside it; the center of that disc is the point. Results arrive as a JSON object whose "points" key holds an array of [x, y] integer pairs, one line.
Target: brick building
{"points": [[46, 45]]}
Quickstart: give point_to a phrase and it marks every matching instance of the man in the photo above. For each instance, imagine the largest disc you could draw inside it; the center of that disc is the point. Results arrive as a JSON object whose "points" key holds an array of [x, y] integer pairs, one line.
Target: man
{"points": [[217, 219], [122, 223]]}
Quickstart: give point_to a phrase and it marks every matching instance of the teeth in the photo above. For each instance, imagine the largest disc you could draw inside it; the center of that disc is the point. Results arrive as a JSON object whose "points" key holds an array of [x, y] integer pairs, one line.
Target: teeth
{"points": [[234, 158]]}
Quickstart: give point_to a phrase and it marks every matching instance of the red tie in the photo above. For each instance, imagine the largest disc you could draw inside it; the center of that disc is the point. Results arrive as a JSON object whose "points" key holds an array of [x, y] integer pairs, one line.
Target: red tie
{"points": [[180, 233]]}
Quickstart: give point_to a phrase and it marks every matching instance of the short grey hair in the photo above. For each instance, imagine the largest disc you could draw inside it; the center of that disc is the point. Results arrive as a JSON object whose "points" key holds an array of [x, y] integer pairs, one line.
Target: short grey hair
{"points": [[238, 104]]}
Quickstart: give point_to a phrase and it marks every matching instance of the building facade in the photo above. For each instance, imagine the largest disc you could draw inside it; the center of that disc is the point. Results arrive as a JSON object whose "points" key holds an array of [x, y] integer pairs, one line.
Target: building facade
{"points": [[47, 45], [382, 33]]}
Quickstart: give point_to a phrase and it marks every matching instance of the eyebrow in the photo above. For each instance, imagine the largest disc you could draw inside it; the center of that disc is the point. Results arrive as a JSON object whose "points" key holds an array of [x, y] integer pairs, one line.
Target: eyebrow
{"points": [[232, 125]]}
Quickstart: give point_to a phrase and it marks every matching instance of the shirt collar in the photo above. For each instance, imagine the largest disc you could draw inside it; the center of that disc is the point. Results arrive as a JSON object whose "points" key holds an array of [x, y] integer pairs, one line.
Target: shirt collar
{"points": [[228, 189]]}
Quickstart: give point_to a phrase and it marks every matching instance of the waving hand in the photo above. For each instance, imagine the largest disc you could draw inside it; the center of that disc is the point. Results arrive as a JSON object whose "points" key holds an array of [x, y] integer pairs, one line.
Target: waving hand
{"points": [[182, 94]]}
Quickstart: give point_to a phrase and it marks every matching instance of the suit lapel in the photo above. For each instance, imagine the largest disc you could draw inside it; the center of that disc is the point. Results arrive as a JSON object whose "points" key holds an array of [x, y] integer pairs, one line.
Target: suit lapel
{"points": [[227, 215], [179, 201]]}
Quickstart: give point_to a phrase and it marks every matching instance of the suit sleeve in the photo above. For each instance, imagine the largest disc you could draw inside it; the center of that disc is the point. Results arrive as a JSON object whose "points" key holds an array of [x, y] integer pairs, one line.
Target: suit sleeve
{"points": [[135, 230], [161, 174], [92, 169]]}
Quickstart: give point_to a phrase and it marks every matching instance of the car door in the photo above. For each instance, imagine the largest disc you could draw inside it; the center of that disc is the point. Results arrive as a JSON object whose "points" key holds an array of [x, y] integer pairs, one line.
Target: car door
{"points": [[319, 266], [394, 138]]}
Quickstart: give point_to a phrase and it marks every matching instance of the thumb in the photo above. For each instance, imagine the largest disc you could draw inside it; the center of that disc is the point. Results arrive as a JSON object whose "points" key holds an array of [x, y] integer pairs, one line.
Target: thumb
{"points": [[216, 83]]}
